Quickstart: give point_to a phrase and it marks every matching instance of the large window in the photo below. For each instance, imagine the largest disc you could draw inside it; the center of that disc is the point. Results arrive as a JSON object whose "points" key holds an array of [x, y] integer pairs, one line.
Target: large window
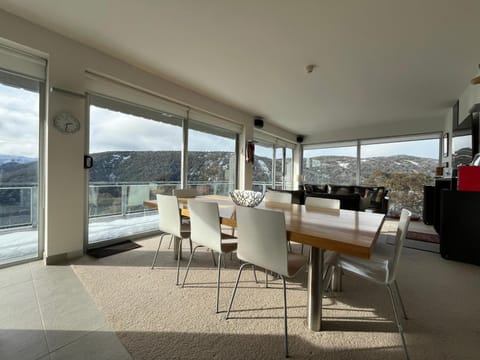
{"points": [[402, 164], [262, 167], [283, 168], [273, 165], [19, 168], [330, 164], [212, 159], [136, 154], [403, 167]]}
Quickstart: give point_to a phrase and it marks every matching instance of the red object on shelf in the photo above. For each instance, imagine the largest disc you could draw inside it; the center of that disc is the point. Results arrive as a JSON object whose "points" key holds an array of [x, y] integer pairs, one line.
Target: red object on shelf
{"points": [[469, 178]]}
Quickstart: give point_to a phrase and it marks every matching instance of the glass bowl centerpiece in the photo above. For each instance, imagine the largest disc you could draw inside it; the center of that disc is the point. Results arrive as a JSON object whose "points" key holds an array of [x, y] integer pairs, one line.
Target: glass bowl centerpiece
{"points": [[247, 198]]}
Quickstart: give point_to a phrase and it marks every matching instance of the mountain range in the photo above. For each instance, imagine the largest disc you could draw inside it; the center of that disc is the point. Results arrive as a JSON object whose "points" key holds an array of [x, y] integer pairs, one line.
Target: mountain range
{"points": [[164, 166]]}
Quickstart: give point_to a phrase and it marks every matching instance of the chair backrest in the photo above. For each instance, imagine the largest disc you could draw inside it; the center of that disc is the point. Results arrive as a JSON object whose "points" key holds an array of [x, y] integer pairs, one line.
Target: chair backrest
{"points": [[262, 239], [322, 203], [169, 219], [205, 224], [278, 197], [184, 193], [399, 239]]}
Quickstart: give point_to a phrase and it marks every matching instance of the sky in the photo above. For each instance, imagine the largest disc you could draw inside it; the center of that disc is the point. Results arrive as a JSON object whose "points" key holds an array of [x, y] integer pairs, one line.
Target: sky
{"points": [[114, 131], [18, 122], [420, 148], [110, 130]]}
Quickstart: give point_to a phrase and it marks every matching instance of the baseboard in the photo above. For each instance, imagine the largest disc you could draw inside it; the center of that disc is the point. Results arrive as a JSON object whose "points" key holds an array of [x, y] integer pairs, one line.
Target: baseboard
{"points": [[63, 258]]}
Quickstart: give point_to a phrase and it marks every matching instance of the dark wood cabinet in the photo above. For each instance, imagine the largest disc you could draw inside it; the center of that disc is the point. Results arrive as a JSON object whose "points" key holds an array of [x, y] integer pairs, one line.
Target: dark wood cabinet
{"points": [[459, 225]]}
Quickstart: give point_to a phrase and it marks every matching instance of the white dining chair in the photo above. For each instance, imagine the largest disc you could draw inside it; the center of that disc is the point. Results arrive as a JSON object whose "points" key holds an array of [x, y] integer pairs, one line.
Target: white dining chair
{"points": [[278, 197], [382, 269], [262, 242], [322, 203], [170, 223], [183, 193], [272, 196], [206, 232]]}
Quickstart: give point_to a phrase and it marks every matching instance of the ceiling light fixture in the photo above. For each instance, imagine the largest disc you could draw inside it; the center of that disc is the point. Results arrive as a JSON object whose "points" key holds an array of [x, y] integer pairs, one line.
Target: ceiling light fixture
{"points": [[309, 68]]}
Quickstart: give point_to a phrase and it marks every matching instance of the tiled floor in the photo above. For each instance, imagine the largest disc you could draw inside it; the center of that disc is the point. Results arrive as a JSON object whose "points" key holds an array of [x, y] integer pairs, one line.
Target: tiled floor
{"points": [[45, 313]]}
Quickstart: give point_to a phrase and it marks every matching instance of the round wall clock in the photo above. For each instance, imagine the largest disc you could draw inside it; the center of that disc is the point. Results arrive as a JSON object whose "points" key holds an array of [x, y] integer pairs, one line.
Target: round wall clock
{"points": [[66, 123]]}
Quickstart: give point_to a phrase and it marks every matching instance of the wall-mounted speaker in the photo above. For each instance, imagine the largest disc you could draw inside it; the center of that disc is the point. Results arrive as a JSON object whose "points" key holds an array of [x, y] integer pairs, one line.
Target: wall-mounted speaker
{"points": [[299, 139], [258, 122]]}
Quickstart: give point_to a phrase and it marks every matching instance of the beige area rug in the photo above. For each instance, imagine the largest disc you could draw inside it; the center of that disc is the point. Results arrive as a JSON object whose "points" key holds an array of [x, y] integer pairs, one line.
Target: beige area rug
{"points": [[155, 319]]}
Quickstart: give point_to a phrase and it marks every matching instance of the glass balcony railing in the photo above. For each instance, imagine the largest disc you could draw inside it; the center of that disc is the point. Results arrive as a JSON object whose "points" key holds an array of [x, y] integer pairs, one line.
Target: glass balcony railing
{"points": [[116, 210], [18, 206], [127, 198]]}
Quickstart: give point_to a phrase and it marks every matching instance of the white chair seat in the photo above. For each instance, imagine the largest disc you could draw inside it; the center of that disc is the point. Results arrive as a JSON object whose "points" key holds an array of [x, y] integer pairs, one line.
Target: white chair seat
{"points": [[295, 263], [376, 270]]}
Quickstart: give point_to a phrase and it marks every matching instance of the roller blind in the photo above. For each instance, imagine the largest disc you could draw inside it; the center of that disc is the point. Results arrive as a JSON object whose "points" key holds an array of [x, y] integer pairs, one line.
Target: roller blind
{"points": [[202, 117], [263, 137], [22, 63], [134, 109], [104, 87]]}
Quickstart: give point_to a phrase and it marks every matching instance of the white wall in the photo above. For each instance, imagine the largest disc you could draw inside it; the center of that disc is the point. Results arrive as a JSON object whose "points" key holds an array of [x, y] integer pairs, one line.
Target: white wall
{"points": [[65, 196]]}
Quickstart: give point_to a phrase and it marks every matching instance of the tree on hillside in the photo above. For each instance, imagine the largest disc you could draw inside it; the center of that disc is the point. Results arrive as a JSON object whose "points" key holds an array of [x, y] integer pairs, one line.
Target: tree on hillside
{"points": [[405, 189]]}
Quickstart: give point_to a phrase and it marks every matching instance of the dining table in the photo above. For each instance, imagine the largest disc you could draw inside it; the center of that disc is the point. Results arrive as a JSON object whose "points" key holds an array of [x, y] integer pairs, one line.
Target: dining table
{"points": [[342, 231]]}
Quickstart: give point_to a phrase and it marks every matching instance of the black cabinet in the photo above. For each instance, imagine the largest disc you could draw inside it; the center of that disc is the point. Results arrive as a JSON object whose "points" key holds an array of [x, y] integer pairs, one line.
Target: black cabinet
{"points": [[440, 185], [428, 204], [460, 225]]}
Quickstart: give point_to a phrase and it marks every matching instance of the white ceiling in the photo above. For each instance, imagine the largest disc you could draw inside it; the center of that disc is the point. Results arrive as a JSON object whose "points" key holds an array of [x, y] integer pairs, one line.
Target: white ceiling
{"points": [[376, 60]]}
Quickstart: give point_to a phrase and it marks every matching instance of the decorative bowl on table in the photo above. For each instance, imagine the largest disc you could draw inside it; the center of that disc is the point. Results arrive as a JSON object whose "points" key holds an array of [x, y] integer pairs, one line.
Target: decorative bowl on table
{"points": [[247, 198]]}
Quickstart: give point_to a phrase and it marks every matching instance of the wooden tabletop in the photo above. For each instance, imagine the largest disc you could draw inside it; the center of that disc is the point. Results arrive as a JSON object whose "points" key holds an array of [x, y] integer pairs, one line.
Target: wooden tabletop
{"points": [[345, 231]]}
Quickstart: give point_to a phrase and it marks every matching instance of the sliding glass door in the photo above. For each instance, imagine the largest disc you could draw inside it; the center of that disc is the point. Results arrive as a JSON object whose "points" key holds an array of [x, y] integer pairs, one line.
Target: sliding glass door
{"points": [[263, 167], [212, 159], [273, 166], [19, 168], [136, 154]]}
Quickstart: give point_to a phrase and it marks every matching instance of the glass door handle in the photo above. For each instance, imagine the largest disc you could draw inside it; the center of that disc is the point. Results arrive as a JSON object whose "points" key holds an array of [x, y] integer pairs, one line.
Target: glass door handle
{"points": [[87, 162]]}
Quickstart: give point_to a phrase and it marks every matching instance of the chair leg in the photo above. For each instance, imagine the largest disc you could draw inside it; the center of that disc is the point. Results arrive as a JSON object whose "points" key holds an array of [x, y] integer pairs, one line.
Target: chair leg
{"points": [[400, 300], [255, 274], [188, 265], [235, 288], [158, 249], [285, 315], [218, 278], [266, 279], [399, 325], [179, 255], [213, 258]]}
